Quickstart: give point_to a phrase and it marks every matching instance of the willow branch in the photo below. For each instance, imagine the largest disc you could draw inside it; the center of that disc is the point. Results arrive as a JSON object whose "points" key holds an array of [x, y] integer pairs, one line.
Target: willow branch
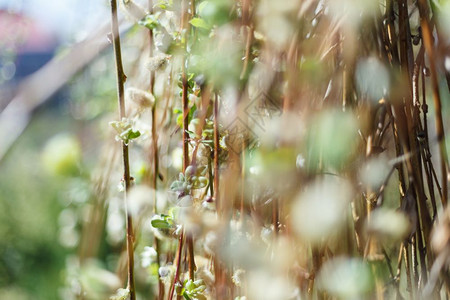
{"points": [[126, 163]]}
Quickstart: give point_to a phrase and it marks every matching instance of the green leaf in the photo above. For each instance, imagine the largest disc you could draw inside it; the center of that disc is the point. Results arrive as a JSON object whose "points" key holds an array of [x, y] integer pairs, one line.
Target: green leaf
{"points": [[185, 295], [125, 130], [181, 177], [189, 172], [216, 12], [150, 21], [180, 120], [208, 132], [177, 186], [201, 170], [133, 134], [199, 23], [192, 134], [162, 224], [203, 181], [154, 267], [165, 4], [190, 286]]}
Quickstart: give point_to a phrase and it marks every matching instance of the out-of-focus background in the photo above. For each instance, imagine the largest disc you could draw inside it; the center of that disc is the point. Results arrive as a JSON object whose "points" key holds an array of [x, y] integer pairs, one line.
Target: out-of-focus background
{"points": [[45, 171]]}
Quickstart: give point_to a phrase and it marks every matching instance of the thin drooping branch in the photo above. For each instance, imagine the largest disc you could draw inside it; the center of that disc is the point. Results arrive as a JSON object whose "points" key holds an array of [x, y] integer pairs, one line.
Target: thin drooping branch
{"points": [[126, 164]]}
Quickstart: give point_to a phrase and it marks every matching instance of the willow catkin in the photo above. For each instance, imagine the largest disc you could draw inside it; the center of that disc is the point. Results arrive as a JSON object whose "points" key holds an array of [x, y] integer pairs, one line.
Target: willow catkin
{"points": [[140, 98]]}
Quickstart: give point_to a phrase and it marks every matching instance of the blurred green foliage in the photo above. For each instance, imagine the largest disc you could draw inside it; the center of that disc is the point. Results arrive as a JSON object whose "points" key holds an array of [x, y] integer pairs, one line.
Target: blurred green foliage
{"points": [[31, 258], [46, 172]]}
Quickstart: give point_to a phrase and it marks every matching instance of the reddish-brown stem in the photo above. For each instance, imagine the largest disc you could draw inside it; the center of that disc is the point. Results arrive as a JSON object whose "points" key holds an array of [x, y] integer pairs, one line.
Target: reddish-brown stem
{"points": [[216, 153], [275, 215], [185, 104], [217, 266], [178, 258]]}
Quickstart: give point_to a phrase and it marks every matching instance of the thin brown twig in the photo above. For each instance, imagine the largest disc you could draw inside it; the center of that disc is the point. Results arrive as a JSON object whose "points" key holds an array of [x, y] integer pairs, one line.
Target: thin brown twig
{"points": [[155, 157], [178, 258], [126, 164], [185, 104]]}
